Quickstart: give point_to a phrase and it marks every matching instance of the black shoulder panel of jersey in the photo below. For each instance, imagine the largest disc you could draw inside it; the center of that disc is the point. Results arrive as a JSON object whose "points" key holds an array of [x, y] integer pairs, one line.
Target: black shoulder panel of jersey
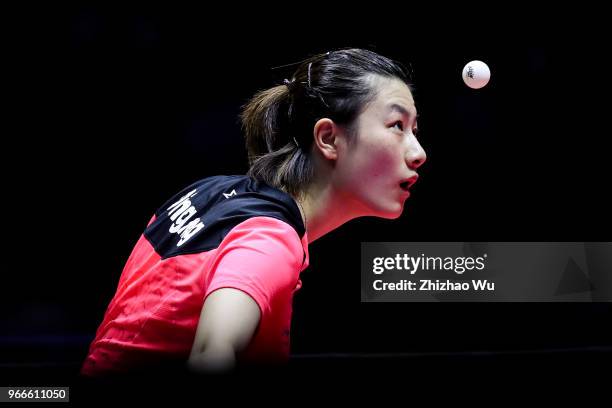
{"points": [[199, 217]]}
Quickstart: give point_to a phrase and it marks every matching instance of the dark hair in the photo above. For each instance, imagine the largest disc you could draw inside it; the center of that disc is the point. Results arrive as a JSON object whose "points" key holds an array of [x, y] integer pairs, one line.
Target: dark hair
{"points": [[278, 122]]}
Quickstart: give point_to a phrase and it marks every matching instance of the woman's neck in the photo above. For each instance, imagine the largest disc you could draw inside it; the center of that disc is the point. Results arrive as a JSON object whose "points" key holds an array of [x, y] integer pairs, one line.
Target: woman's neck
{"points": [[325, 210]]}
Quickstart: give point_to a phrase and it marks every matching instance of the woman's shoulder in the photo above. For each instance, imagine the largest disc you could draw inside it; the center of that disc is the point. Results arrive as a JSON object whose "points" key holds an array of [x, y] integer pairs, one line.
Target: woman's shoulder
{"points": [[200, 216]]}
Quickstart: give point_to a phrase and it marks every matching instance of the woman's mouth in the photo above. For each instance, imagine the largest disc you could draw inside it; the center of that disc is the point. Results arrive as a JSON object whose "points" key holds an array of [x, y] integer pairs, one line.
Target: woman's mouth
{"points": [[407, 183]]}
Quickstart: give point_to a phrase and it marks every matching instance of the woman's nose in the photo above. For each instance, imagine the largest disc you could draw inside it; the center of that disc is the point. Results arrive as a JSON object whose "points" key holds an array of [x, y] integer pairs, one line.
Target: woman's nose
{"points": [[416, 155]]}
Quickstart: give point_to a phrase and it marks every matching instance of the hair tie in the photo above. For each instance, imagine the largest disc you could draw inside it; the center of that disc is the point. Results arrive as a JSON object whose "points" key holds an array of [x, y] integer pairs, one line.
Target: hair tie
{"points": [[289, 84]]}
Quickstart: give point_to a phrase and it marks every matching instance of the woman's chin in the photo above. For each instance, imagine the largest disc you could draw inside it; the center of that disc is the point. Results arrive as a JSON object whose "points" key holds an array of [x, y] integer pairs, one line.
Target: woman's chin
{"points": [[391, 212]]}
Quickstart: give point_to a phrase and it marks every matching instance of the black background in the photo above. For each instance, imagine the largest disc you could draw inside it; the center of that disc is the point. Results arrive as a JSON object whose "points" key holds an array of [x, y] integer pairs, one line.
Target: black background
{"points": [[119, 108]]}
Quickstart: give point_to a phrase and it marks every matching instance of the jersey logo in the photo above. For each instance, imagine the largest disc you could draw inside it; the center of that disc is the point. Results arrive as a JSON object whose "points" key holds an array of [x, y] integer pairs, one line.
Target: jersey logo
{"points": [[180, 213], [233, 193]]}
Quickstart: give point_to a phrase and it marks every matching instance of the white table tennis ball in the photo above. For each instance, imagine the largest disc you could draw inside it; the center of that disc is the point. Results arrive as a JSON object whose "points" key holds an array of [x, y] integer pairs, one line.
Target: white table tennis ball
{"points": [[476, 74]]}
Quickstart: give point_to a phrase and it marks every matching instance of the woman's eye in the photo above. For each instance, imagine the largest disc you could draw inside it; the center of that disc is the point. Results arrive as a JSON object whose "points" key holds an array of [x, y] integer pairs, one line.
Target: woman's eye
{"points": [[399, 125]]}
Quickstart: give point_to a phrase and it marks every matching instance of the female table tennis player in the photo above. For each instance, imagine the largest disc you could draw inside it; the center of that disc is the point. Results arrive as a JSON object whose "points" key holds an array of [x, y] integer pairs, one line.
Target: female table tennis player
{"points": [[211, 280]]}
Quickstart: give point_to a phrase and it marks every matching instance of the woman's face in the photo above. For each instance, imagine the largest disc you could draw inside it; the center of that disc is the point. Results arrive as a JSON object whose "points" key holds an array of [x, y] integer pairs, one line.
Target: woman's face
{"points": [[376, 168]]}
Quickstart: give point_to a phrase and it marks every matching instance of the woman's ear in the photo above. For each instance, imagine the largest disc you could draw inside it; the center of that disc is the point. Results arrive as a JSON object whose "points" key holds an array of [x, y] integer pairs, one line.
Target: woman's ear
{"points": [[326, 138]]}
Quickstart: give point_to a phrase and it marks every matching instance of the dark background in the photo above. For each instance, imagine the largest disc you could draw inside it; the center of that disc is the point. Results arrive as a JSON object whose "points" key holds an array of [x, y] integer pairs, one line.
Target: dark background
{"points": [[119, 108]]}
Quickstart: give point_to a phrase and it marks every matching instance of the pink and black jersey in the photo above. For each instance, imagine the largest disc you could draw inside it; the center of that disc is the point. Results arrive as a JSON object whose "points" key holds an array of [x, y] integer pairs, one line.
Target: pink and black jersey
{"points": [[221, 232]]}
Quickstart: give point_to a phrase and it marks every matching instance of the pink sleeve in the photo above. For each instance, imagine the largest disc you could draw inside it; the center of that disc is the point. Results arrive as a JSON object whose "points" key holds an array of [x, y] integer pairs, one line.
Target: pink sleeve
{"points": [[261, 256]]}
